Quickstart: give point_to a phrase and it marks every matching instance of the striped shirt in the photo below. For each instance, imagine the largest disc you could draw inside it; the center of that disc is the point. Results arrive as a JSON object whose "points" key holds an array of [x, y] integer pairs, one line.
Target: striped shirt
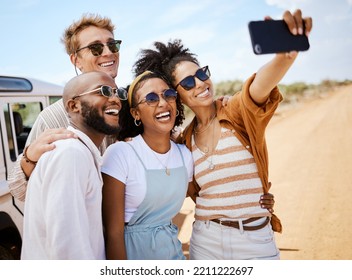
{"points": [[229, 181]]}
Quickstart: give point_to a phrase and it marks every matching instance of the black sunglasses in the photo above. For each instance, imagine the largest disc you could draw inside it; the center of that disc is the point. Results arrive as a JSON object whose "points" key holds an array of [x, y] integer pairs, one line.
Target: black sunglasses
{"points": [[108, 92], [98, 48], [152, 98], [189, 82]]}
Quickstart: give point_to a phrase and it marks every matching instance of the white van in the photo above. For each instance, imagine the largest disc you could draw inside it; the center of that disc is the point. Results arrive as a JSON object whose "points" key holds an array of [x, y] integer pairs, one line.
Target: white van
{"points": [[21, 100]]}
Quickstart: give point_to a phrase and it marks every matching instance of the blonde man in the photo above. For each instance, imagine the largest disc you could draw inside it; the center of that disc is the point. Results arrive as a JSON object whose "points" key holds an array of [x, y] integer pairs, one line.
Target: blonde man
{"points": [[91, 46]]}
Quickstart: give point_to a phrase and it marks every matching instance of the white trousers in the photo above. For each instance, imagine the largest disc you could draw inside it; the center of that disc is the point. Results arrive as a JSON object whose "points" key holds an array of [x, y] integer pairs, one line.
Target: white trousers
{"points": [[212, 241]]}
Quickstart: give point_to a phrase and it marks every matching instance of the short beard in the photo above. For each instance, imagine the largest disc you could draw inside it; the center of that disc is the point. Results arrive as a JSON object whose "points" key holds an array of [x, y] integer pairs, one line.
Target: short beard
{"points": [[94, 120]]}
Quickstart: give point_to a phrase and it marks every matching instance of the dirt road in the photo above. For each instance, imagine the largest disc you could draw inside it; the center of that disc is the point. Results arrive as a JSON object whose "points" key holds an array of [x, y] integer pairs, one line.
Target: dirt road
{"points": [[310, 152]]}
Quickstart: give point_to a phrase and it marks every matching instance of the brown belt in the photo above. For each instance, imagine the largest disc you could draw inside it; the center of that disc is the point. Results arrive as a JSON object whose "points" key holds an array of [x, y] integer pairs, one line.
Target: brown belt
{"points": [[235, 224]]}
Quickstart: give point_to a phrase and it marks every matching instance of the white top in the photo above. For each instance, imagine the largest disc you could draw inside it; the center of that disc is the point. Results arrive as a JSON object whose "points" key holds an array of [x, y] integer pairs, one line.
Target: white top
{"points": [[121, 163], [62, 217]]}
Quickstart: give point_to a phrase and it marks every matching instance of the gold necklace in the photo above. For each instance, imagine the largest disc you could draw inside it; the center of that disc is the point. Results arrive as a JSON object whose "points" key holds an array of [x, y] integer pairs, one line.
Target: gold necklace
{"points": [[205, 153], [204, 129], [167, 170]]}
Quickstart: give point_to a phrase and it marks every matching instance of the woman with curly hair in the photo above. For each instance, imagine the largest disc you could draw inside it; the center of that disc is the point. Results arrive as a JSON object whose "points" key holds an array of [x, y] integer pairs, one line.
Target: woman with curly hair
{"points": [[146, 178], [228, 148]]}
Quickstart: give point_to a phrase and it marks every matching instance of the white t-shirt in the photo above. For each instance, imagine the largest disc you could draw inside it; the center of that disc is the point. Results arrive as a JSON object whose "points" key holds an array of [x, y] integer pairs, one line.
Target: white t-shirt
{"points": [[121, 163]]}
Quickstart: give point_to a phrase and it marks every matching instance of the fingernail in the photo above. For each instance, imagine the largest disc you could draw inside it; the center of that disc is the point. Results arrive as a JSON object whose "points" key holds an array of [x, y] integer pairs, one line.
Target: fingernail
{"points": [[294, 31], [300, 30]]}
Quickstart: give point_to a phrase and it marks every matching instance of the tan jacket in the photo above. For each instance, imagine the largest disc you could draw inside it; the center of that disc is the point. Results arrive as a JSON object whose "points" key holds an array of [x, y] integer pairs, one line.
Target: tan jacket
{"points": [[248, 122]]}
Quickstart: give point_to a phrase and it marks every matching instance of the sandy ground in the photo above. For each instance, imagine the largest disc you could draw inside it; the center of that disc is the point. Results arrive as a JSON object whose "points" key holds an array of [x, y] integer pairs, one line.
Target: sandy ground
{"points": [[310, 153]]}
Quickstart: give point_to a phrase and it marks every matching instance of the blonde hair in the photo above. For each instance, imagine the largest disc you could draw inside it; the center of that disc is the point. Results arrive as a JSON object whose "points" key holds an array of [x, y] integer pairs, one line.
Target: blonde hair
{"points": [[69, 38]]}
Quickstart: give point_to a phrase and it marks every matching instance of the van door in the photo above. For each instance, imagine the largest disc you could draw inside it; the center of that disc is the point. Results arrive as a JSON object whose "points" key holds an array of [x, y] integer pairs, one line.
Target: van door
{"points": [[17, 116]]}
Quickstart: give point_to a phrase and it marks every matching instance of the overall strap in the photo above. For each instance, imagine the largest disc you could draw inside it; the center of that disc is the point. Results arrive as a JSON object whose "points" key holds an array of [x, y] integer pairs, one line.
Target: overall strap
{"points": [[183, 160], [137, 156]]}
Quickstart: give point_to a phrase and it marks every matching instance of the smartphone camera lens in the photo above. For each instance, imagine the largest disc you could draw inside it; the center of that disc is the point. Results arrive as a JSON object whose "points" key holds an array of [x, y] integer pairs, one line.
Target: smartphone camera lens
{"points": [[257, 49]]}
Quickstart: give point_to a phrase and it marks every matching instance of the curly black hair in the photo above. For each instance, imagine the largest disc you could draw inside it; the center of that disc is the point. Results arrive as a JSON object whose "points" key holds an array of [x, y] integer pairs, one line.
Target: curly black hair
{"points": [[128, 128], [163, 59]]}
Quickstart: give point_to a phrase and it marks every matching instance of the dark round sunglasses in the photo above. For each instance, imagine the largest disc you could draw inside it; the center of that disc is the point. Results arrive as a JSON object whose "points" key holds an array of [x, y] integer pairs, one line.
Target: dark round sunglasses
{"points": [[152, 98], [98, 48], [108, 92], [189, 82]]}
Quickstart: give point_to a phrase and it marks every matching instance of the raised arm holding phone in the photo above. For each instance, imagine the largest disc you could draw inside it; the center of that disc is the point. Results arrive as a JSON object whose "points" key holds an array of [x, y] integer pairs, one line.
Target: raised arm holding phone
{"points": [[229, 149]]}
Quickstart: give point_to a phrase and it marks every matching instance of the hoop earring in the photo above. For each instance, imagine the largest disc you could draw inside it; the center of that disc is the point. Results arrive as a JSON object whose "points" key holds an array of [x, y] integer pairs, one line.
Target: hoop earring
{"points": [[137, 124], [177, 112]]}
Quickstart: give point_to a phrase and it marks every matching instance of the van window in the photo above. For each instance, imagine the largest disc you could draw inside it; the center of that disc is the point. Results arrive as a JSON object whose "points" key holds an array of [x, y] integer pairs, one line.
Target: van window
{"points": [[8, 84], [18, 127], [53, 99]]}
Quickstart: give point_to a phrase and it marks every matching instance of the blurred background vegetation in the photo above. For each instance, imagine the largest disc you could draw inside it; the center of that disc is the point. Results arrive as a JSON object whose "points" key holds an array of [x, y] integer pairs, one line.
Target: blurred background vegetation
{"points": [[291, 93]]}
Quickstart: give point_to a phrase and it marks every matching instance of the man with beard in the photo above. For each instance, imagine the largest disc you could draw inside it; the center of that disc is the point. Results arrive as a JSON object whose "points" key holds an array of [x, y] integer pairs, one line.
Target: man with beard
{"points": [[62, 217], [91, 46]]}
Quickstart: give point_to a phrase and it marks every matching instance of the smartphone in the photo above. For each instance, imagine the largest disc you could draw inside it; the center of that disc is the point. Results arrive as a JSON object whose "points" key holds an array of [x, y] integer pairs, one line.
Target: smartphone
{"points": [[273, 36]]}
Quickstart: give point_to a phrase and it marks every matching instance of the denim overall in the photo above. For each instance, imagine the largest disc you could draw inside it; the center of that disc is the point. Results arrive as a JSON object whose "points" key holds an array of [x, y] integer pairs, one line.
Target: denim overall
{"points": [[150, 234]]}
